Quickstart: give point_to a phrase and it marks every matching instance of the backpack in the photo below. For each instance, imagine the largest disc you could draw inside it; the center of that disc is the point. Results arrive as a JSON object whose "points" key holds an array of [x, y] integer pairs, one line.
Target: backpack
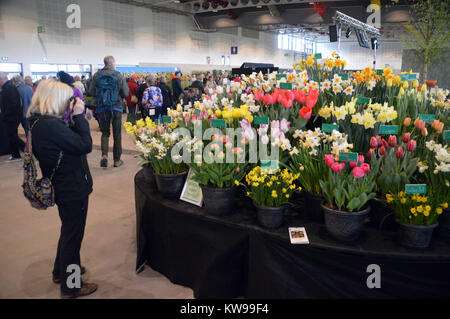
{"points": [[106, 90], [39, 192], [152, 97]]}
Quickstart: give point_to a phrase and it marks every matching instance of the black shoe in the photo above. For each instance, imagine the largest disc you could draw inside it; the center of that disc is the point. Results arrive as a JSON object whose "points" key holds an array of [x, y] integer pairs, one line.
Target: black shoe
{"points": [[104, 162], [86, 289], [57, 279]]}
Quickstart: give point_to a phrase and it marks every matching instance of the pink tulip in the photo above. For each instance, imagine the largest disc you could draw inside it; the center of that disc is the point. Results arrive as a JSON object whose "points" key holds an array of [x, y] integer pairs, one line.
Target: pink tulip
{"points": [[290, 95], [259, 95], [411, 146], [384, 143], [406, 137], [279, 97], [353, 164], [312, 97], [305, 112], [268, 99], [365, 167], [286, 102], [360, 158], [329, 160], [400, 153], [373, 142], [369, 153], [392, 140], [337, 167], [358, 172], [300, 96]]}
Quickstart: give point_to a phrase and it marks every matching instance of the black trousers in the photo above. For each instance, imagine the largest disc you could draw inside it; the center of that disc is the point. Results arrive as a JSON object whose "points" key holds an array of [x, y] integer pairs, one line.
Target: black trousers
{"points": [[106, 120], [15, 142], [73, 219]]}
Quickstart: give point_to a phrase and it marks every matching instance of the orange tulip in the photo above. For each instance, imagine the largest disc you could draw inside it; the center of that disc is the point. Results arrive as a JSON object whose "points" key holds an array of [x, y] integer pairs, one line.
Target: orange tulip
{"points": [[419, 124], [424, 131], [407, 121]]}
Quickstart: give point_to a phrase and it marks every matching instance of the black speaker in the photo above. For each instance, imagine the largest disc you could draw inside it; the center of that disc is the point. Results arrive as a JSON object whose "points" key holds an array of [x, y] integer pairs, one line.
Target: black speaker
{"points": [[333, 33]]}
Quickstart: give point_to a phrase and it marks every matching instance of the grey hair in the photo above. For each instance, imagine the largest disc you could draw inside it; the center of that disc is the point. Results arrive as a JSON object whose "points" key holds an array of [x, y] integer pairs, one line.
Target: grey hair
{"points": [[108, 60], [17, 80], [152, 79], [3, 76]]}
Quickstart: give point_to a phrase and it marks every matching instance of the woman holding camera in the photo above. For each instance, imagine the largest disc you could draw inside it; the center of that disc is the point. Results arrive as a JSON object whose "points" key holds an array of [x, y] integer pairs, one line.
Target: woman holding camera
{"points": [[61, 148]]}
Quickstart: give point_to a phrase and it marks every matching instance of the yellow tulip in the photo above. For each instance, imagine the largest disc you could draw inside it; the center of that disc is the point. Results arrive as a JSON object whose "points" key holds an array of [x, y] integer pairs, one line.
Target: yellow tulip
{"points": [[389, 83], [405, 85]]}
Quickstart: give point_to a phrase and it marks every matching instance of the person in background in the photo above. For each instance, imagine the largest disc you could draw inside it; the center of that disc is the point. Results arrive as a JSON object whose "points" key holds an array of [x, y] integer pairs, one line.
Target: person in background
{"points": [[176, 86], [69, 80], [198, 84], [26, 93], [210, 84], [29, 81], [61, 150], [139, 94], [109, 88], [132, 99], [11, 115], [205, 78], [166, 94], [44, 77], [152, 98], [77, 83]]}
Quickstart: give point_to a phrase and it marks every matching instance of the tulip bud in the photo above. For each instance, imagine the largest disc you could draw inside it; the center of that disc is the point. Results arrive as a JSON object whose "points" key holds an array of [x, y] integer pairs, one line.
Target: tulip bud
{"points": [[382, 150], [384, 143], [369, 153], [406, 137], [373, 142], [392, 141], [415, 84], [389, 83], [401, 92], [405, 85], [360, 158], [420, 124], [400, 153], [423, 88], [424, 131], [411, 146], [407, 121]]}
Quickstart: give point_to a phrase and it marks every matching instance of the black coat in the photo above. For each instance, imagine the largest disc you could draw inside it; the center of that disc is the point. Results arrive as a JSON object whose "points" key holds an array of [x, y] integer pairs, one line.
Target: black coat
{"points": [[167, 96], [72, 180], [10, 104], [176, 88], [198, 85]]}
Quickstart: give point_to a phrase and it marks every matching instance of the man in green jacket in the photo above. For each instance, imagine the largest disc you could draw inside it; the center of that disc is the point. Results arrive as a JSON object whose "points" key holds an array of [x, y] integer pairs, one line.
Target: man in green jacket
{"points": [[109, 88]]}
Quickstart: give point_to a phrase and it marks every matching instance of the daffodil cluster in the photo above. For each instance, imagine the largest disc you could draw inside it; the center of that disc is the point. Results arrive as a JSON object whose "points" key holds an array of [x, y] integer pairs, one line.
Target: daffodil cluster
{"points": [[270, 188], [415, 209]]}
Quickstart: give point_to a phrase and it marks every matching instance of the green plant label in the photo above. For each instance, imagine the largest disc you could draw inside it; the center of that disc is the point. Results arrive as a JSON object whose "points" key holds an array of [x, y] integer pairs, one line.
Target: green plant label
{"points": [[166, 119], [280, 76], [344, 76], [261, 120], [389, 129], [412, 77], [328, 128], [404, 77], [379, 72], [362, 100], [348, 157], [415, 188], [429, 118], [447, 135], [318, 56], [286, 86], [218, 123], [270, 165], [197, 112]]}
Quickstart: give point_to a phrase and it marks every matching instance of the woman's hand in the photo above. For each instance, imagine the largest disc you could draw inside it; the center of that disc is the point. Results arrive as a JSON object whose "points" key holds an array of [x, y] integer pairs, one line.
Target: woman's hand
{"points": [[78, 108]]}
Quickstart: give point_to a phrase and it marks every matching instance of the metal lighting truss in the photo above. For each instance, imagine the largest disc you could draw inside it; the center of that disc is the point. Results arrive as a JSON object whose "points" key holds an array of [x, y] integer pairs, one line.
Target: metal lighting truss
{"points": [[343, 19]]}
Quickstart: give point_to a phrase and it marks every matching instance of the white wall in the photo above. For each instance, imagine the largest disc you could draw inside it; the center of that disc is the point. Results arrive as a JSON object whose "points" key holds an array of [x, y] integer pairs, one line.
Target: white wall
{"points": [[388, 54], [132, 35]]}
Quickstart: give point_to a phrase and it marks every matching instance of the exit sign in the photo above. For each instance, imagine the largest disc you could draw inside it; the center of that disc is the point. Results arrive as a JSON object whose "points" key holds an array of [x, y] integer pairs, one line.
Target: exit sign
{"points": [[40, 29], [234, 50]]}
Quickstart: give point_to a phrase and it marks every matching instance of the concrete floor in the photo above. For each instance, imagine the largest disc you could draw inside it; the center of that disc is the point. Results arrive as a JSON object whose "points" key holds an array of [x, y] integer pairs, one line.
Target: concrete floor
{"points": [[29, 237]]}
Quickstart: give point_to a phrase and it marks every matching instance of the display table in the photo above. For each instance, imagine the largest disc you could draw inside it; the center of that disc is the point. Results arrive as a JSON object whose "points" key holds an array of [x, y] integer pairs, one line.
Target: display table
{"points": [[4, 142], [231, 256]]}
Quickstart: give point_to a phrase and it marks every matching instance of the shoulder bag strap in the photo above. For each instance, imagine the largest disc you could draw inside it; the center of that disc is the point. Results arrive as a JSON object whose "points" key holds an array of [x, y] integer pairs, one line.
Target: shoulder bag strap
{"points": [[57, 165]]}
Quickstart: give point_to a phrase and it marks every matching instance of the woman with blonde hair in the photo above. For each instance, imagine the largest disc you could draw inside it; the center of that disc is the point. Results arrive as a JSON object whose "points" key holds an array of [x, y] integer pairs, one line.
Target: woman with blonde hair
{"points": [[61, 148]]}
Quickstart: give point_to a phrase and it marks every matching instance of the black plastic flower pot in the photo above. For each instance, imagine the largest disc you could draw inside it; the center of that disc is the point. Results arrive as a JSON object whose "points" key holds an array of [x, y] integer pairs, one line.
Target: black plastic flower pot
{"points": [[297, 198], [415, 236], [270, 217], [312, 205], [344, 226], [381, 215], [218, 201], [149, 175], [170, 185]]}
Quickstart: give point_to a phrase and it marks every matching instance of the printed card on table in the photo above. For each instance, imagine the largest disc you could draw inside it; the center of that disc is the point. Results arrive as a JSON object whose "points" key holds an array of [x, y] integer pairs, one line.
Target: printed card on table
{"points": [[298, 235]]}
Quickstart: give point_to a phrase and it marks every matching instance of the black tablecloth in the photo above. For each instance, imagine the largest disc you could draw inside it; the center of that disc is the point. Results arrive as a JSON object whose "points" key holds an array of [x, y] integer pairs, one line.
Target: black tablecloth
{"points": [[231, 256]]}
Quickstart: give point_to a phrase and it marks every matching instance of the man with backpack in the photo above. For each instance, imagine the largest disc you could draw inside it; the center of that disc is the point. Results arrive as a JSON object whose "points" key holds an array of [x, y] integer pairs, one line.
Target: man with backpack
{"points": [[109, 88]]}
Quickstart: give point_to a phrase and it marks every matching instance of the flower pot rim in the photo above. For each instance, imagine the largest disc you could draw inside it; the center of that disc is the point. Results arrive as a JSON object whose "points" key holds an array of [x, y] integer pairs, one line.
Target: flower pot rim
{"points": [[417, 226], [224, 188], [311, 194], [346, 213], [269, 207], [182, 173]]}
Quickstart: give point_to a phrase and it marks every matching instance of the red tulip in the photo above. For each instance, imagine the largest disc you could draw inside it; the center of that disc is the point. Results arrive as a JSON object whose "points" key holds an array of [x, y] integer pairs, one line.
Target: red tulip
{"points": [[400, 153], [279, 97], [311, 99], [373, 142], [300, 96], [369, 153], [305, 112], [329, 160], [382, 150], [268, 99], [384, 143], [337, 167], [353, 164], [379, 140], [406, 137], [392, 141], [411, 146], [290, 95]]}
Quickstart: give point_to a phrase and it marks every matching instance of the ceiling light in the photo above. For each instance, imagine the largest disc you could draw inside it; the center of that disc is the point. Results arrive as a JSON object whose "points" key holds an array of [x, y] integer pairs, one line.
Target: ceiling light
{"points": [[259, 6], [176, 1], [348, 33]]}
